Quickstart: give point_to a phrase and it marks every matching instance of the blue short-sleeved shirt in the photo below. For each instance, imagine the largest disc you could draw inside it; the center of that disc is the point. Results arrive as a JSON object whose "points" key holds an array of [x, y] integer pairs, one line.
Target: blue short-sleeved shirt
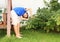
{"points": [[19, 11]]}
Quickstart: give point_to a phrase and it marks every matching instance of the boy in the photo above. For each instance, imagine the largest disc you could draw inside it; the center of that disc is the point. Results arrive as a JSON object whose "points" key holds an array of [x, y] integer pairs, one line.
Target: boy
{"points": [[17, 14]]}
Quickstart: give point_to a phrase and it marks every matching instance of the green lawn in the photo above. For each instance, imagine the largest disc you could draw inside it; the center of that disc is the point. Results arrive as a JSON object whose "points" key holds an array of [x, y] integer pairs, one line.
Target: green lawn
{"points": [[31, 36]]}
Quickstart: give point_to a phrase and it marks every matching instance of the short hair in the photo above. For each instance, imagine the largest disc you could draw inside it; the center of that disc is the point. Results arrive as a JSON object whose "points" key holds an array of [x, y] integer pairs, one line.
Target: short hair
{"points": [[25, 17]]}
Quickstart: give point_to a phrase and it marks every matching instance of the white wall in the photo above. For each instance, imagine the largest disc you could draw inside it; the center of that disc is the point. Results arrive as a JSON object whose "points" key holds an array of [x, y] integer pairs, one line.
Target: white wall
{"points": [[3, 3], [28, 4], [24, 3], [34, 4]]}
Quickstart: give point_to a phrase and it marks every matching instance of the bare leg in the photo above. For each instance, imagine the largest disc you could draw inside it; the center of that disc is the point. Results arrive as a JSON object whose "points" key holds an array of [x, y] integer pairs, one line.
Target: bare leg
{"points": [[15, 29], [18, 29]]}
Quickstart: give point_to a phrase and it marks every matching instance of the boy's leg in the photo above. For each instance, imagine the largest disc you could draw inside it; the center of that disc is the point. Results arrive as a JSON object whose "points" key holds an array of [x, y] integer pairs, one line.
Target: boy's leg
{"points": [[15, 21], [15, 30], [18, 28], [19, 20], [19, 32]]}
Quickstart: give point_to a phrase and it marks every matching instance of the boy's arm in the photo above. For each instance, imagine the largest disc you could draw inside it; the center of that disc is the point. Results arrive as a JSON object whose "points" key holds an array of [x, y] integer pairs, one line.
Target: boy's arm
{"points": [[30, 11], [23, 18]]}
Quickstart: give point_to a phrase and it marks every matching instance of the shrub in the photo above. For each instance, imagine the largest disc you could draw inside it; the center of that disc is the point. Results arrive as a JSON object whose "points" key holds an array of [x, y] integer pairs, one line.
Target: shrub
{"points": [[45, 19]]}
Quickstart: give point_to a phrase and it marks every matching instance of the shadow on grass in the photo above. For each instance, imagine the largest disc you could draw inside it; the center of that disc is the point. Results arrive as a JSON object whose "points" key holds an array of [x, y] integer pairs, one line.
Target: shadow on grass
{"points": [[3, 33]]}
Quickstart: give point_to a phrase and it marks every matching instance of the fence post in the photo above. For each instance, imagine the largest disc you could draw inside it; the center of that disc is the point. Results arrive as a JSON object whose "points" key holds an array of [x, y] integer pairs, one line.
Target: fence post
{"points": [[8, 17]]}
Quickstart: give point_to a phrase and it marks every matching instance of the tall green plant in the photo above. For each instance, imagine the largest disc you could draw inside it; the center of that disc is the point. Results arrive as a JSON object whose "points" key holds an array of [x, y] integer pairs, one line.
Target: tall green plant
{"points": [[46, 18], [53, 5]]}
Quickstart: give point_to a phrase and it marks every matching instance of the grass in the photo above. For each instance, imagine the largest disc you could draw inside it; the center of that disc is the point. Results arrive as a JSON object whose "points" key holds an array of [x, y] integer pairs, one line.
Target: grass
{"points": [[31, 36]]}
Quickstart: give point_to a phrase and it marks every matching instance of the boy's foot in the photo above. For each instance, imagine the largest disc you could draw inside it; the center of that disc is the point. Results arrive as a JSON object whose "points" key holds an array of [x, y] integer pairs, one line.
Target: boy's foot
{"points": [[21, 35], [18, 37]]}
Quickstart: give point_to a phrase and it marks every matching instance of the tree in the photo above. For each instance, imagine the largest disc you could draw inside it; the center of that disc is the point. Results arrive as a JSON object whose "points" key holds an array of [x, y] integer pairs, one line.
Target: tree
{"points": [[53, 5], [46, 18]]}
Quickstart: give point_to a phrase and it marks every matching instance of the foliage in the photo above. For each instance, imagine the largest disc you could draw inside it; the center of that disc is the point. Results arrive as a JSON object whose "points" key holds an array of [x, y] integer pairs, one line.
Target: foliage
{"points": [[45, 18], [53, 5]]}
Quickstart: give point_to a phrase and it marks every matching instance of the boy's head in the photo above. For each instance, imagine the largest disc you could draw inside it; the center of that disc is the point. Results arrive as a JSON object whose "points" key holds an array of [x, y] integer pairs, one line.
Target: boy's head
{"points": [[25, 15]]}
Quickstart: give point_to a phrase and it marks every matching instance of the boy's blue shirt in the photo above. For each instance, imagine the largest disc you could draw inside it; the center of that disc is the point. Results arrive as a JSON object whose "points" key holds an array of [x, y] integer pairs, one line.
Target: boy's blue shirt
{"points": [[19, 11]]}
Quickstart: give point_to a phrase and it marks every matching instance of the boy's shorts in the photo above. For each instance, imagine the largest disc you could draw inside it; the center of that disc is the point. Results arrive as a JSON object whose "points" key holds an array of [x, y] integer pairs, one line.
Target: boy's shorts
{"points": [[15, 18]]}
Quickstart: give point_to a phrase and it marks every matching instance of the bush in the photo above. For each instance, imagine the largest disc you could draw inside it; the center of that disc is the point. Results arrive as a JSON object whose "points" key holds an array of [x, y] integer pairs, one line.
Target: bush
{"points": [[45, 19]]}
